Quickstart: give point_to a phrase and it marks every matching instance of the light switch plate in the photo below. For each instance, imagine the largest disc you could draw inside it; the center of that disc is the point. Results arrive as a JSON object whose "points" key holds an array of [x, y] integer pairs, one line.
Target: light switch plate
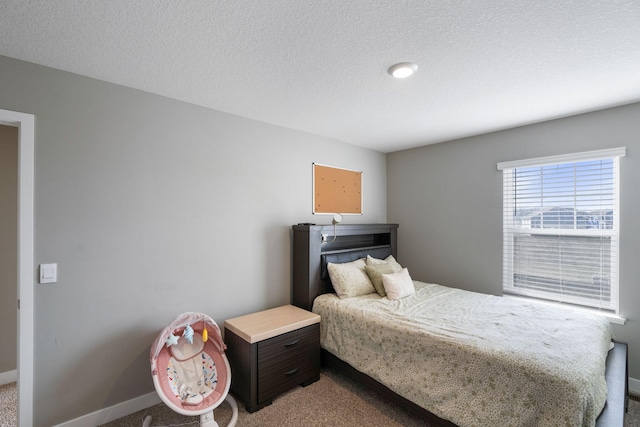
{"points": [[48, 273]]}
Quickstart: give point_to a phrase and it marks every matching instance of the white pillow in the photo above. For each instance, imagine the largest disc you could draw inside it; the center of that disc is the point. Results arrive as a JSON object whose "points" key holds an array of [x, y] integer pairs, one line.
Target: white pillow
{"points": [[350, 279], [388, 260], [398, 285]]}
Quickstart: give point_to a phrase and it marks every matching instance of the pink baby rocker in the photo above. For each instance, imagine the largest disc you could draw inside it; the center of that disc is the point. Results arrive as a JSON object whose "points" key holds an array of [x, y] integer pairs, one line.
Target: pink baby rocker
{"points": [[190, 371]]}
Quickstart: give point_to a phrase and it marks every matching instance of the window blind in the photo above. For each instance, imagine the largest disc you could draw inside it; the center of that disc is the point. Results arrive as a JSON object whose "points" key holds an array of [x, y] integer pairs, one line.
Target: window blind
{"points": [[561, 228]]}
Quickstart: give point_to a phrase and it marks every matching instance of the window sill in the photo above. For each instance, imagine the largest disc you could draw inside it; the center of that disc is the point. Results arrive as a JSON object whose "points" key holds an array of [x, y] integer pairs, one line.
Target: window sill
{"points": [[612, 317]]}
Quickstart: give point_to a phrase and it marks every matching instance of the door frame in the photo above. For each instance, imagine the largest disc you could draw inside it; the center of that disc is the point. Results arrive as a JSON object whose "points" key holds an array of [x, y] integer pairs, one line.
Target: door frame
{"points": [[26, 271]]}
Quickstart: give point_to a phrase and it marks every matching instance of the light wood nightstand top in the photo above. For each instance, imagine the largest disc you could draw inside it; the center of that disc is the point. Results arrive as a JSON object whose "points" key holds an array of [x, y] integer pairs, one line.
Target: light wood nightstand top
{"points": [[270, 323]]}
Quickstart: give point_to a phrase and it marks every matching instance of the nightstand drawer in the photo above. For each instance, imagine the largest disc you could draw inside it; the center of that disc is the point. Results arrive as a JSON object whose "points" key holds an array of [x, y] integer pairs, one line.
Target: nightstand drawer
{"points": [[293, 345], [288, 360]]}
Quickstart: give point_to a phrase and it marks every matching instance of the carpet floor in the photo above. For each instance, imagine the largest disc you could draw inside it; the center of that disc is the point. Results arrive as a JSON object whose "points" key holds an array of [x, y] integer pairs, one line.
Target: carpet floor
{"points": [[333, 401], [8, 405]]}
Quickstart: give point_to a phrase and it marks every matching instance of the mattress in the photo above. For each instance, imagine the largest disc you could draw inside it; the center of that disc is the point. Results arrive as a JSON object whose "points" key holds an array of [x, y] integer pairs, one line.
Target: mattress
{"points": [[475, 359]]}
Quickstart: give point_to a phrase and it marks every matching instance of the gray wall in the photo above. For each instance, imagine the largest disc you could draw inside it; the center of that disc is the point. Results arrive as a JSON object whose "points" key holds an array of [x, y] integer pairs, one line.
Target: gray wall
{"points": [[8, 246], [152, 207], [447, 199]]}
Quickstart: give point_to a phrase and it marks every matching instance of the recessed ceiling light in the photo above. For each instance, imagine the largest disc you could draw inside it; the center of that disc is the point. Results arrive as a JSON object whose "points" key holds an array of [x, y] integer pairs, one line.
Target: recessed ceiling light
{"points": [[403, 70]]}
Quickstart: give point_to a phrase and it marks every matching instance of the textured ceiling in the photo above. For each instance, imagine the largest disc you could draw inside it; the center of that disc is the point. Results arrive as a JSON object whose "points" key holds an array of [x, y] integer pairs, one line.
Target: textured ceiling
{"points": [[321, 66]]}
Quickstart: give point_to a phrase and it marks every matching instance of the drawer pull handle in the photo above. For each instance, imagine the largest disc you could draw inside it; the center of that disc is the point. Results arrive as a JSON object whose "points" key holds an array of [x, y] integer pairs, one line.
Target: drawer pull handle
{"points": [[291, 372], [292, 343]]}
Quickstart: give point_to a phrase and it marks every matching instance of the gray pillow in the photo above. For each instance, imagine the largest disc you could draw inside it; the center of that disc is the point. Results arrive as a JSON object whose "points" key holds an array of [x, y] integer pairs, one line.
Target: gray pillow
{"points": [[375, 270]]}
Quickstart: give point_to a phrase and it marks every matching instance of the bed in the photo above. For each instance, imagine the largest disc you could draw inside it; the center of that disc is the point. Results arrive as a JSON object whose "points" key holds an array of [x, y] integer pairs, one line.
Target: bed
{"points": [[440, 365]]}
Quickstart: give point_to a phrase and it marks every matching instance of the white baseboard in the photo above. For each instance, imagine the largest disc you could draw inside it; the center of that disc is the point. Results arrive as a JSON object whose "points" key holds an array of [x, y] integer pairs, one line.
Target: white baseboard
{"points": [[114, 412], [634, 386], [8, 377]]}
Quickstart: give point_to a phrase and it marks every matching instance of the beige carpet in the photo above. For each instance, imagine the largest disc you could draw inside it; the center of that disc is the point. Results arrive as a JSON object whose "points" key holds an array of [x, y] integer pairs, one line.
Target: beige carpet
{"points": [[332, 401], [8, 405]]}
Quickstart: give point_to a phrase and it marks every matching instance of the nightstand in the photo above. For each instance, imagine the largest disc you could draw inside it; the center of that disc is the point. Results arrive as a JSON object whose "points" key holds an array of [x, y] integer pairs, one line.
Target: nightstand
{"points": [[271, 352]]}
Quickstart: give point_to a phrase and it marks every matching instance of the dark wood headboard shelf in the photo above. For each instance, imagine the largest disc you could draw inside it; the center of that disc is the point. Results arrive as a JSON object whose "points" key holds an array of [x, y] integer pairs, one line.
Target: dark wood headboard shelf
{"points": [[309, 252], [365, 248]]}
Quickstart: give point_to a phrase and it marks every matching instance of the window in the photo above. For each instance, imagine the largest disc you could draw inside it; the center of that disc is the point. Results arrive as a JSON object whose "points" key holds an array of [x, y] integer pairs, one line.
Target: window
{"points": [[561, 227]]}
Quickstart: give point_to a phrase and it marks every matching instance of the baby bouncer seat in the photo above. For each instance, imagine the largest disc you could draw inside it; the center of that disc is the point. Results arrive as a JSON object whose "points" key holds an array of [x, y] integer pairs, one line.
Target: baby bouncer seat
{"points": [[190, 371]]}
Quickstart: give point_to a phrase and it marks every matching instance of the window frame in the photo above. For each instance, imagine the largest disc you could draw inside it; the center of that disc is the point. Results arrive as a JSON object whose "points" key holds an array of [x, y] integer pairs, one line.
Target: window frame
{"points": [[510, 232]]}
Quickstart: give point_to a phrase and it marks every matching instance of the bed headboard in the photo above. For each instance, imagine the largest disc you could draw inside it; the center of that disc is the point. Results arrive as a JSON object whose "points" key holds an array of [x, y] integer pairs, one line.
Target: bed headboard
{"points": [[310, 255]]}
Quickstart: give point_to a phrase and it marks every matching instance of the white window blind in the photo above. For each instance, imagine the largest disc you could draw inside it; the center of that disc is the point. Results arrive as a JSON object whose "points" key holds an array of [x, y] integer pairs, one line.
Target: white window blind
{"points": [[561, 226]]}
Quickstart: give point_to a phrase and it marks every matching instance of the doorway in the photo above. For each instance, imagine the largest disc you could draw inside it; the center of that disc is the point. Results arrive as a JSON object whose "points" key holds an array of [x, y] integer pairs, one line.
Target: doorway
{"points": [[8, 269], [25, 261]]}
